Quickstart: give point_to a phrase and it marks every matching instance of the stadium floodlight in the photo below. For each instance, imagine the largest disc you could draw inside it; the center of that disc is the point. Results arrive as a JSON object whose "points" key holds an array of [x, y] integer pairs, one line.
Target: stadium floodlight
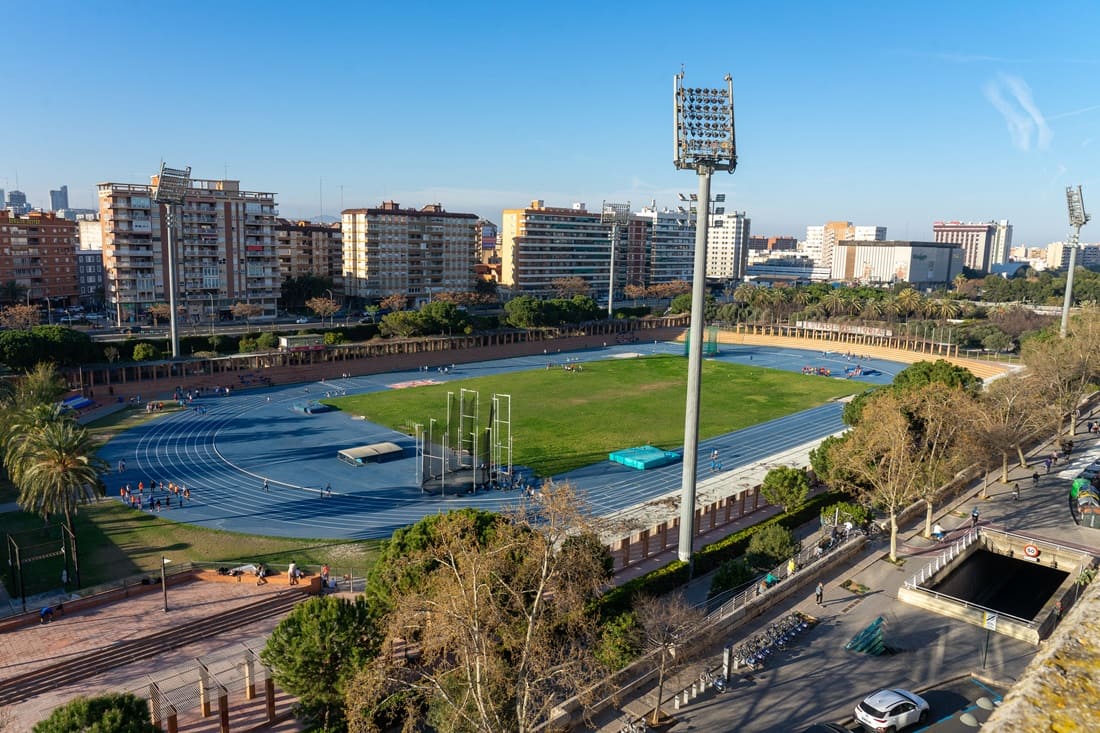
{"points": [[1077, 219], [704, 141], [616, 215], [169, 188]]}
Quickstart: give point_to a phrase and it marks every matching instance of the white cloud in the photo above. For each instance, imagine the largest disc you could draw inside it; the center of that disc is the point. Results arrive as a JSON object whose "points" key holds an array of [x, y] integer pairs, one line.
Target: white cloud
{"points": [[1021, 115]]}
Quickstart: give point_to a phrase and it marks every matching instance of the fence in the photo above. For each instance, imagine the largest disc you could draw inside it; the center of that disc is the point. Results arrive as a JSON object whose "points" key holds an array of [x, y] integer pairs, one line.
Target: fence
{"points": [[943, 560]]}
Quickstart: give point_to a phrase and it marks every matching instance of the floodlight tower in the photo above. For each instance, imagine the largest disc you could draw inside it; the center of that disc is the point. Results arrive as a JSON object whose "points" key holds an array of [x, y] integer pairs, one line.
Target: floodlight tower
{"points": [[616, 215], [169, 188], [705, 142], [1077, 219]]}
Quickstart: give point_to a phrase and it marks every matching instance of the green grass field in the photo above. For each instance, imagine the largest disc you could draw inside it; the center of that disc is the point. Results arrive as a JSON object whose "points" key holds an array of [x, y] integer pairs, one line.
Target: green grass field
{"points": [[563, 420]]}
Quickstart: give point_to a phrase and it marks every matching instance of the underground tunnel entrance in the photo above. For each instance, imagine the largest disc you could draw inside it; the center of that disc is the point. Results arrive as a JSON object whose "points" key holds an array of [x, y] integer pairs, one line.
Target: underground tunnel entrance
{"points": [[1013, 584], [1000, 583]]}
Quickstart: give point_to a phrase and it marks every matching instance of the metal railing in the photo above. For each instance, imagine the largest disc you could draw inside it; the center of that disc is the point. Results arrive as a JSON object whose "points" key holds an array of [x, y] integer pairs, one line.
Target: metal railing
{"points": [[956, 549]]}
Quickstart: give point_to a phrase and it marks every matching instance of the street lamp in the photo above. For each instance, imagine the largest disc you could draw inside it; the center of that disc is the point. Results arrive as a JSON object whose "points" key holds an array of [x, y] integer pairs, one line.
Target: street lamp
{"points": [[212, 311], [169, 188], [615, 215], [704, 141], [331, 300], [164, 581], [1077, 219]]}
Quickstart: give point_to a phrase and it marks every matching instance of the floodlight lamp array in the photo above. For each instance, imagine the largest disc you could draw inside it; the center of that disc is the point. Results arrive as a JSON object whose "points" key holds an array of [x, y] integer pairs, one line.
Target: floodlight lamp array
{"points": [[171, 185], [617, 213], [1075, 202], [704, 126]]}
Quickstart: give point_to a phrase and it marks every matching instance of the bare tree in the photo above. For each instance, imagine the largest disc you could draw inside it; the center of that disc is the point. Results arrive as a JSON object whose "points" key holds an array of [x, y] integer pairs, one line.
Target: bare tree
{"points": [[567, 287], [500, 622], [668, 623], [1064, 368], [395, 302], [1012, 410], [323, 307], [20, 317], [159, 311], [247, 311]]}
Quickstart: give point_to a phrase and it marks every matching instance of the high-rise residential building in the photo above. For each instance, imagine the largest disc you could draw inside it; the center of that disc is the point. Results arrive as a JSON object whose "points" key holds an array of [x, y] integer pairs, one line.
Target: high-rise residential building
{"points": [[656, 246], [224, 241], [89, 265], [773, 244], [1057, 255], [305, 248], [59, 199], [38, 254], [412, 252], [3, 201], [728, 245], [542, 244], [17, 203], [976, 238], [921, 264], [1000, 249], [822, 240]]}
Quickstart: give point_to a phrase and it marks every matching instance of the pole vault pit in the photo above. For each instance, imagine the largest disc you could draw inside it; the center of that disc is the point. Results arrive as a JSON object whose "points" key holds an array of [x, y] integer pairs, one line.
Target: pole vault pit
{"points": [[1011, 584]]}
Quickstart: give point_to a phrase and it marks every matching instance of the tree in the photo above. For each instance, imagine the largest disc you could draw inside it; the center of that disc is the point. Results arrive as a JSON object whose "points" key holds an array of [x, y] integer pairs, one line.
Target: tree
{"points": [[372, 311], [567, 287], [786, 487], [1011, 411], [940, 371], [395, 302], [666, 622], [901, 449], [145, 351], [159, 311], [247, 311], [267, 341], [500, 618], [1063, 369], [111, 713], [770, 546], [524, 311], [20, 317], [315, 651], [111, 354], [323, 307], [58, 471]]}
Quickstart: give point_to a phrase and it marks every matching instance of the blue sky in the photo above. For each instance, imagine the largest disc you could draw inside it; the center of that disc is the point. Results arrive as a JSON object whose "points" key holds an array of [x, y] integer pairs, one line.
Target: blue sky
{"points": [[894, 114]]}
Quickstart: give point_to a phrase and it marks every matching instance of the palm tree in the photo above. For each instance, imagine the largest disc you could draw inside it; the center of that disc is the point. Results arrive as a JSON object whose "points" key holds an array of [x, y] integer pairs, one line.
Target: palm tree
{"points": [[834, 302], [945, 308], [59, 470], [959, 281], [873, 309], [745, 293], [909, 301]]}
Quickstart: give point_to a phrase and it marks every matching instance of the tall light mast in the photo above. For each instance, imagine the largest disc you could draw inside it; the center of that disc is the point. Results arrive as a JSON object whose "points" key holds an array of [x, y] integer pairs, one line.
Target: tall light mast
{"points": [[1077, 219], [704, 141]]}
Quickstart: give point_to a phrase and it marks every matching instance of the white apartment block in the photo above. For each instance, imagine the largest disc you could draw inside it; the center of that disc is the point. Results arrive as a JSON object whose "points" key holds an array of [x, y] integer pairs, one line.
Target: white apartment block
{"points": [[728, 245], [660, 248], [224, 242], [1057, 255], [1000, 248], [542, 244], [412, 252]]}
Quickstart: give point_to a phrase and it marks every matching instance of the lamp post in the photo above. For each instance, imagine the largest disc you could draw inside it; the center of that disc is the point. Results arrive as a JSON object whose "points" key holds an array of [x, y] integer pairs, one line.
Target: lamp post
{"points": [[212, 311], [1077, 219], [704, 141], [615, 215], [332, 300], [164, 581], [169, 188]]}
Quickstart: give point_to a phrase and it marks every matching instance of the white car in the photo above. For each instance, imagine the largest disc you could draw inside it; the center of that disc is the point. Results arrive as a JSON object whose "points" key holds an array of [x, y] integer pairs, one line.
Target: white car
{"points": [[303, 319], [891, 710]]}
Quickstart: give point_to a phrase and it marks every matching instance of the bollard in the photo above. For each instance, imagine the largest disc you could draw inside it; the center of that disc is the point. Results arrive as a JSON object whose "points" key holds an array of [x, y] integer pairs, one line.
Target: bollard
{"points": [[249, 677], [269, 694], [726, 654], [676, 702]]}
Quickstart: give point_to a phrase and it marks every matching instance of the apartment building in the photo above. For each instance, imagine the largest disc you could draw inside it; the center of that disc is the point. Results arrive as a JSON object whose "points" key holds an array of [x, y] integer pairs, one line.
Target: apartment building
{"points": [[225, 250], [38, 254], [412, 252], [89, 264], [541, 244], [1000, 248], [728, 245], [1057, 255], [656, 246], [976, 239], [305, 248], [488, 260], [921, 264]]}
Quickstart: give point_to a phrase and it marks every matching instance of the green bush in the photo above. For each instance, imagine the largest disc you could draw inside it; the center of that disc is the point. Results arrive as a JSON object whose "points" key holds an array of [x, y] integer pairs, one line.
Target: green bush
{"points": [[730, 575], [620, 641], [110, 713], [845, 511], [770, 546]]}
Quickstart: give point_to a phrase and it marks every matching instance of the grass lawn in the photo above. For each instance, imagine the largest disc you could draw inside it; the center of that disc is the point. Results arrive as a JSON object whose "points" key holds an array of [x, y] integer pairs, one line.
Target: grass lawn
{"points": [[563, 420], [116, 542]]}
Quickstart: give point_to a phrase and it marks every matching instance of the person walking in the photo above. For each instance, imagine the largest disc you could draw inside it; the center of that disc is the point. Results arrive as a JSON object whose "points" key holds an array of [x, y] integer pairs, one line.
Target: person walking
{"points": [[1015, 492], [1047, 462], [975, 515], [1035, 480], [265, 485], [819, 594], [292, 573]]}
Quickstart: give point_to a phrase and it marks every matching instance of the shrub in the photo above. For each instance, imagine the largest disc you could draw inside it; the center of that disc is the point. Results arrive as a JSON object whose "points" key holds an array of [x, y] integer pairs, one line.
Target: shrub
{"points": [[730, 574], [770, 546]]}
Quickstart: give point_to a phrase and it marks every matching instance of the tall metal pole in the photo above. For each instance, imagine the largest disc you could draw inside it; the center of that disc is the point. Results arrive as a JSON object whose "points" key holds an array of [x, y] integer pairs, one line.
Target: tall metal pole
{"points": [[173, 327], [164, 581], [611, 273], [1068, 301], [695, 372]]}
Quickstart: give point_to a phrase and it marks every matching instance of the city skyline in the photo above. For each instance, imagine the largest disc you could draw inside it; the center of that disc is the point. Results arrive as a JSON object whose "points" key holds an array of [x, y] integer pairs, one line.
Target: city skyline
{"points": [[877, 115]]}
